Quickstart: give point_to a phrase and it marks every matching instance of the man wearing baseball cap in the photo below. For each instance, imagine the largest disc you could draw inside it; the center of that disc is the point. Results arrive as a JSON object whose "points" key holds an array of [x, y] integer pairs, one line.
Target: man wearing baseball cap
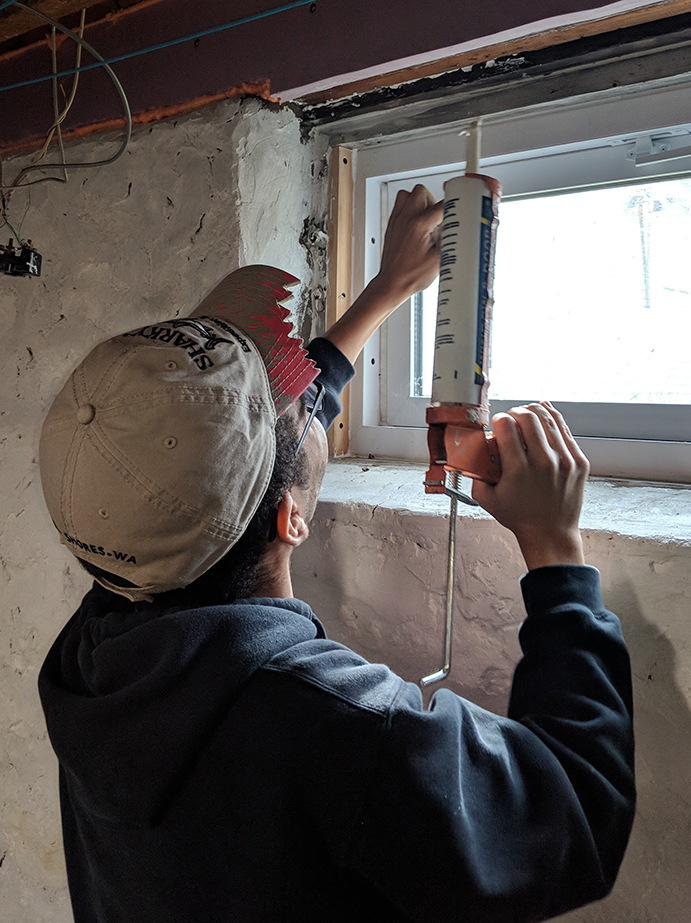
{"points": [[220, 758]]}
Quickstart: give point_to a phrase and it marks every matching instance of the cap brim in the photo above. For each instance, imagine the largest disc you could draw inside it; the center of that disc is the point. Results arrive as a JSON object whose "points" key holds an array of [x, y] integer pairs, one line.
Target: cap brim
{"points": [[252, 299]]}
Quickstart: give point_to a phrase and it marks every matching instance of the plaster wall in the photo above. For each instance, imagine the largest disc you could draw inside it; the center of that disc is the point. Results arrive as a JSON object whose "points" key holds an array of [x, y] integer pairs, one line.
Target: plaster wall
{"points": [[374, 572], [141, 240]]}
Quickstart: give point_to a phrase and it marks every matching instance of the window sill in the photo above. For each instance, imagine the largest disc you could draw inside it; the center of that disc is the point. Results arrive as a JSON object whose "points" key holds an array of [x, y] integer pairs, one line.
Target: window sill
{"points": [[634, 509]]}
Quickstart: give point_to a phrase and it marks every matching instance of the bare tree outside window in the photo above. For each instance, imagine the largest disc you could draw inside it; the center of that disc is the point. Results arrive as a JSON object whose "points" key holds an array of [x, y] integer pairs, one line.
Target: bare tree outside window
{"points": [[592, 298]]}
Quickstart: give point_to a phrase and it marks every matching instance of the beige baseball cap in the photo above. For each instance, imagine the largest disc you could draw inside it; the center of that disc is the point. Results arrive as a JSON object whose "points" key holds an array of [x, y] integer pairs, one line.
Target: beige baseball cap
{"points": [[158, 450]]}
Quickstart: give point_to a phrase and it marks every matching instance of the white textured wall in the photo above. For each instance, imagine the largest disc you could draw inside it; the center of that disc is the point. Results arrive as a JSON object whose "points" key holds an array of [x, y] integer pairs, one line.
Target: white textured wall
{"points": [[374, 571], [123, 245]]}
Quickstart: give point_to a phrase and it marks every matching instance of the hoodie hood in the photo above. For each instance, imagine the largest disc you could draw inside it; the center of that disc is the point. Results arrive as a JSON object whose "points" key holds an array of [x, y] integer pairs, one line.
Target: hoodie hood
{"points": [[129, 695]]}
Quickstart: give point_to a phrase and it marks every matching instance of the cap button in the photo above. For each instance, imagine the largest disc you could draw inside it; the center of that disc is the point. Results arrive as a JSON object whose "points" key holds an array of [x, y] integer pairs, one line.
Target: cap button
{"points": [[86, 413]]}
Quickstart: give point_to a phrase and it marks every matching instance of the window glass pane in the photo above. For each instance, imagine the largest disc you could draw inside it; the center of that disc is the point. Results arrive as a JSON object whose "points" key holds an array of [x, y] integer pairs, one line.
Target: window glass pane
{"points": [[423, 309], [592, 297]]}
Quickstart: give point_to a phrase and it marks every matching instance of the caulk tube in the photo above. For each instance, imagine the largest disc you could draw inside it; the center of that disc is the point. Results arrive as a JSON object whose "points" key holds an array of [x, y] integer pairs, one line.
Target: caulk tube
{"points": [[464, 308]]}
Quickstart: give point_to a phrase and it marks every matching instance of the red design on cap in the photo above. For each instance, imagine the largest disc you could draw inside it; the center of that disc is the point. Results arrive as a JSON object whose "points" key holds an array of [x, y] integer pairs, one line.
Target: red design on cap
{"points": [[250, 299]]}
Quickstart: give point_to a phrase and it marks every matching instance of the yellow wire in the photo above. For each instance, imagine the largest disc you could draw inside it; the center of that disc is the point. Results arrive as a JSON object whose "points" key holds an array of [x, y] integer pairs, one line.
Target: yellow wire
{"points": [[59, 119], [18, 180]]}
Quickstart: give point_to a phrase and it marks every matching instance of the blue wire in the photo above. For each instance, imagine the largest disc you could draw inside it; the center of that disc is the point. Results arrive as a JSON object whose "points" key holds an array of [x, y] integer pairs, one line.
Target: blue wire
{"points": [[134, 54]]}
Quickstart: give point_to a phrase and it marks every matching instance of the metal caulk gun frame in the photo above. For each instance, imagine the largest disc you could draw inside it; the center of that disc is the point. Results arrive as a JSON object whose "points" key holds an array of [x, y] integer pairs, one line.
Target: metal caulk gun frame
{"points": [[457, 435]]}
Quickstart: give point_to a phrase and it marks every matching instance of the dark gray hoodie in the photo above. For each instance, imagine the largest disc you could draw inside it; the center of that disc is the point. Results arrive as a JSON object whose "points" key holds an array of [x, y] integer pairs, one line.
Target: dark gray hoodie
{"points": [[231, 763]]}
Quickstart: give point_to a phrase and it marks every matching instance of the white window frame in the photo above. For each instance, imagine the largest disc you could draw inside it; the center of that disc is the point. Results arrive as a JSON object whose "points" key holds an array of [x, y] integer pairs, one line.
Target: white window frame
{"points": [[605, 135]]}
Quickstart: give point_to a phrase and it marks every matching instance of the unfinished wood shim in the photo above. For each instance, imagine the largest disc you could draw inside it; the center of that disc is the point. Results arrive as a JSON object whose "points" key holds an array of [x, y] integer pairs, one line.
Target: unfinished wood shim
{"points": [[340, 260]]}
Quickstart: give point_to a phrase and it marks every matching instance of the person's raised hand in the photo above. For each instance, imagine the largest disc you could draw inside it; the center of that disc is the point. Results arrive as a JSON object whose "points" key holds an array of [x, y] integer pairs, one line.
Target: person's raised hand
{"points": [[409, 263], [540, 493], [411, 251]]}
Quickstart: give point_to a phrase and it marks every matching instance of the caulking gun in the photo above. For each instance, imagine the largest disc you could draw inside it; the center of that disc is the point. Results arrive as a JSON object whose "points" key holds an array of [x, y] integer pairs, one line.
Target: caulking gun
{"points": [[457, 436]]}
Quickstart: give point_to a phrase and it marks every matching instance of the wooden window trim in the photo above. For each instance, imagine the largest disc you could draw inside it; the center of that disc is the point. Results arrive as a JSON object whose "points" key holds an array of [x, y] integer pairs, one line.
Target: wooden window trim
{"points": [[340, 252], [661, 9]]}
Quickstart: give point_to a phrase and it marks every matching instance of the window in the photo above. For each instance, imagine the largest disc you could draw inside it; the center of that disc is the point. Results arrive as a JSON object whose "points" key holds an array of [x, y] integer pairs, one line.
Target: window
{"points": [[592, 284]]}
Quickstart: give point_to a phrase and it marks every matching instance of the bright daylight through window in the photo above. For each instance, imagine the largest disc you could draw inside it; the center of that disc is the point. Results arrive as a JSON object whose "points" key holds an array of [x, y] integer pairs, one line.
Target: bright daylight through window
{"points": [[613, 324], [592, 282]]}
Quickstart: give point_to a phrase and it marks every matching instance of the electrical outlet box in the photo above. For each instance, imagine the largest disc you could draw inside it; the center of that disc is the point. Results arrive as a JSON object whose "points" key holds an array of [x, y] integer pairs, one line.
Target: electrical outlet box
{"points": [[22, 261]]}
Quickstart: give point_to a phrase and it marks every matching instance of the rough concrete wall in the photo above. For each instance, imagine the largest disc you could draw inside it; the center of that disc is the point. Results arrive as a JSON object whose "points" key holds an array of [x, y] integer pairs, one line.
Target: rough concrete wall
{"points": [[138, 241], [374, 572]]}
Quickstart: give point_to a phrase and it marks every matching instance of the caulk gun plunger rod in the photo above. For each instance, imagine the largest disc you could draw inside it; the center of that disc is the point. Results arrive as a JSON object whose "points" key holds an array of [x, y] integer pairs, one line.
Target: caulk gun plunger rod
{"points": [[450, 583], [473, 147]]}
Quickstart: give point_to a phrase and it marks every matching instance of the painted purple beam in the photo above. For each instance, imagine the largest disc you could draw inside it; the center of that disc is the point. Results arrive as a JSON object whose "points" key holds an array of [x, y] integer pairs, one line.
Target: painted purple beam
{"points": [[292, 48]]}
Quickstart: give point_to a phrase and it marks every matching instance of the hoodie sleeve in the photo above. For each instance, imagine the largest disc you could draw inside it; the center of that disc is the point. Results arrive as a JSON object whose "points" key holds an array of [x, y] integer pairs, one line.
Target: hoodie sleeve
{"points": [[471, 816], [335, 371]]}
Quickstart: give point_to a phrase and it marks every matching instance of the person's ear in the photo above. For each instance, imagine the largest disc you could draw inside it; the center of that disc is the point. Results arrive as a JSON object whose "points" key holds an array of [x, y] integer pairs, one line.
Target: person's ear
{"points": [[291, 528]]}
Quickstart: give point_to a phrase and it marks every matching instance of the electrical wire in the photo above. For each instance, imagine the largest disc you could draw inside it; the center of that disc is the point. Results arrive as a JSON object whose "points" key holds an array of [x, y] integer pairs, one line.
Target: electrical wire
{"points": [[56, 109], [59, 119], [3, 204], [28, 205], [3, 212], [17, 184], [7, 222], [103, 62]]}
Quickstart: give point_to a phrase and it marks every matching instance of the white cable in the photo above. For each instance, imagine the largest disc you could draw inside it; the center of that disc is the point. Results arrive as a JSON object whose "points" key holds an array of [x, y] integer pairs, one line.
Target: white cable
{"points": [[60, 118], [17, 184]]}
